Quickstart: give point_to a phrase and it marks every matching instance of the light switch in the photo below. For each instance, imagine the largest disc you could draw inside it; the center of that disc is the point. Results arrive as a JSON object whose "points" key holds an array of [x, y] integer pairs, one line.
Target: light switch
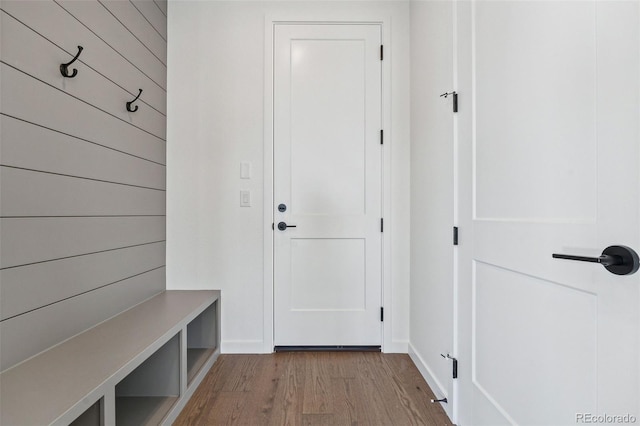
{"points": [[245, 198], [245, 170]]}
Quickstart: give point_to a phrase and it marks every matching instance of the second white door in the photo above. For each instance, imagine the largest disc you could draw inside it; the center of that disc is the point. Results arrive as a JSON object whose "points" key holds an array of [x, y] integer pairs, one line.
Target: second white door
{"points": [[327, 185], [549, 161]]}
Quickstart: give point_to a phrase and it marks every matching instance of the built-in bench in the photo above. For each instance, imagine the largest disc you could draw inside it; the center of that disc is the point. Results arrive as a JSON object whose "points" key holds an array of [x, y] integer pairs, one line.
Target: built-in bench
{"points": [[139, 367]]}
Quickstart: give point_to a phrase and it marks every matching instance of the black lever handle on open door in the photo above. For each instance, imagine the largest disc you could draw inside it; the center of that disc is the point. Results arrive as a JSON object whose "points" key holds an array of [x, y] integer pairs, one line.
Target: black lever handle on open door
{"points": [[619, 260], [282, 226]]}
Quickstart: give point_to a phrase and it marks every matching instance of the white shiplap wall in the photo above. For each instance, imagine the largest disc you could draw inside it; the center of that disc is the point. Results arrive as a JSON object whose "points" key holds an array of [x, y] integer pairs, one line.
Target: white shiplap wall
{"points": [[82, 180]]}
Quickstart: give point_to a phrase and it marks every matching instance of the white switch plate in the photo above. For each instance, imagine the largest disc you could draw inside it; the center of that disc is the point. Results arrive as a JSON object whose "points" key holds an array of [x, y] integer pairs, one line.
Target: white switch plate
{"points": [[245, 170], [245, 198]]}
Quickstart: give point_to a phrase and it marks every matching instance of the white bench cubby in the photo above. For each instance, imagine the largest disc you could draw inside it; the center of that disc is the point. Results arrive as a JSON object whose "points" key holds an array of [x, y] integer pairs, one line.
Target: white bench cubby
{"points": [[137, 368]]}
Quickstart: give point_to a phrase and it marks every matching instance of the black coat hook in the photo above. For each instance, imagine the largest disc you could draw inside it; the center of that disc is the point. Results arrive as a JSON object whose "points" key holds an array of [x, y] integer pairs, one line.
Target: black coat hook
{"points": [[64, 68], [129, 103]]}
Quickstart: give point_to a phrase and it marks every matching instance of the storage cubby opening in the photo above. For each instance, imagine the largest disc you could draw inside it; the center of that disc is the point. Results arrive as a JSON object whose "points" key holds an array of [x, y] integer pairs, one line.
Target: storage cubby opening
{"points": [[147, 394], [202, 340], [93, 416]]}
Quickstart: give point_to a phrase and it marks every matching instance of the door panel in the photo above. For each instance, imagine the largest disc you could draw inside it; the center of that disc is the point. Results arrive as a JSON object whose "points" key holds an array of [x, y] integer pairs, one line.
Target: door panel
{"points": [[535, 96], [328, 127], [327, 172], [328, 274], [549, 160], [504, 337]]}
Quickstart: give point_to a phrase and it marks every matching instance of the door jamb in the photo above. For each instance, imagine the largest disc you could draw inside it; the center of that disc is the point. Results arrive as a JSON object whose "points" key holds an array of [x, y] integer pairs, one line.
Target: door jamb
{"points": [[268, 241]]}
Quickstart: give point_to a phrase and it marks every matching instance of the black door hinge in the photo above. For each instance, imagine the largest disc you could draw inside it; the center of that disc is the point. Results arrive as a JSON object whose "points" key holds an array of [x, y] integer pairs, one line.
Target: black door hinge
{"points": [[381, 52], [381, 225], [273, 227], [454, 367], [455, 99], [381, 137], [455, 235], [381, 313]]}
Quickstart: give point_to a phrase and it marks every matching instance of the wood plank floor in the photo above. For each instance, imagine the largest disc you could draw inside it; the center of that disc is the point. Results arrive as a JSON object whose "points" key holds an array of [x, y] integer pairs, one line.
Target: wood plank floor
{"points": [[313, 388]]}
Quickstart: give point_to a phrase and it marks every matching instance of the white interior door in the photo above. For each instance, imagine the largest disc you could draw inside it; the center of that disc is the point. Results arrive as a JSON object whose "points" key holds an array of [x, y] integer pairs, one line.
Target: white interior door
{"points": [[327, 174], [549, 161]]}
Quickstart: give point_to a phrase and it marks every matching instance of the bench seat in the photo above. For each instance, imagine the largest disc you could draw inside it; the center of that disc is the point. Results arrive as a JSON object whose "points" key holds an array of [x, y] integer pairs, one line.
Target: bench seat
{"points": [[60, 384]]}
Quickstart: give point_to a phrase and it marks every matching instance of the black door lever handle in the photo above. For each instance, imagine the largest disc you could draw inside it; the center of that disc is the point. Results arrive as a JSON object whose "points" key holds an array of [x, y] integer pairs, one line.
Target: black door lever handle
{"points": [[604, 260], [619, 260], [282, 226]]}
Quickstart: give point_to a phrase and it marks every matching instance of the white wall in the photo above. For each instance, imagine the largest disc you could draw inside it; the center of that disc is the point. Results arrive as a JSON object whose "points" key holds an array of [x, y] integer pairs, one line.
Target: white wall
{"points": [[216, 120], [432, 193]]}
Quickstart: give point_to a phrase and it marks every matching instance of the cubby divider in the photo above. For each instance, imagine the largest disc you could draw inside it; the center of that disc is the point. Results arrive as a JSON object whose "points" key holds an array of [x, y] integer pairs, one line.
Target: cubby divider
{"points": [[202, 340]]}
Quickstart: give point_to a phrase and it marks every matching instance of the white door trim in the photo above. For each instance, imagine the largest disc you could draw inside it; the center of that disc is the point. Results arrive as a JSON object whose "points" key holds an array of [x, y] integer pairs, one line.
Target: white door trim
{"points": [[341, 18]]}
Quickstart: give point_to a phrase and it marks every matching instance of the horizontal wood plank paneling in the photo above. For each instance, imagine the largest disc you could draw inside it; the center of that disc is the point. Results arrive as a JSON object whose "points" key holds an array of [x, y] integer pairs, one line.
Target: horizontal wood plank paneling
{"points": [[153, 14], [82, 180], [31, 287], [59, 111], [58, 26], [38, 57], [162, 5], [102, 23], [31, 240], [33, 147], [31, 193], [29, 334], [129, 16]]}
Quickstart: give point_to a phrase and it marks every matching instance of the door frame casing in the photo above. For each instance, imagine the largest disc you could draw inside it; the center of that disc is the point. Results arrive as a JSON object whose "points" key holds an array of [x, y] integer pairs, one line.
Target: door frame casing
{"points": [[269, 203]]}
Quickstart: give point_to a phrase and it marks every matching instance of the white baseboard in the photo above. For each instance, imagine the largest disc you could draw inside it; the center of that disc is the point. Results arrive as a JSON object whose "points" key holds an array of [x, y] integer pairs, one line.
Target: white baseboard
{"points": [[258, 347], [397, 347], [426, 372], [438, 389], [242, 347]]}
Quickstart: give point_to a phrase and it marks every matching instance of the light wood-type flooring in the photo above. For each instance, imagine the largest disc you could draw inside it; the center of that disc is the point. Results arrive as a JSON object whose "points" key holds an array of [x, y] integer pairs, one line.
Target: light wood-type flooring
{"points": [[313, 388]]}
